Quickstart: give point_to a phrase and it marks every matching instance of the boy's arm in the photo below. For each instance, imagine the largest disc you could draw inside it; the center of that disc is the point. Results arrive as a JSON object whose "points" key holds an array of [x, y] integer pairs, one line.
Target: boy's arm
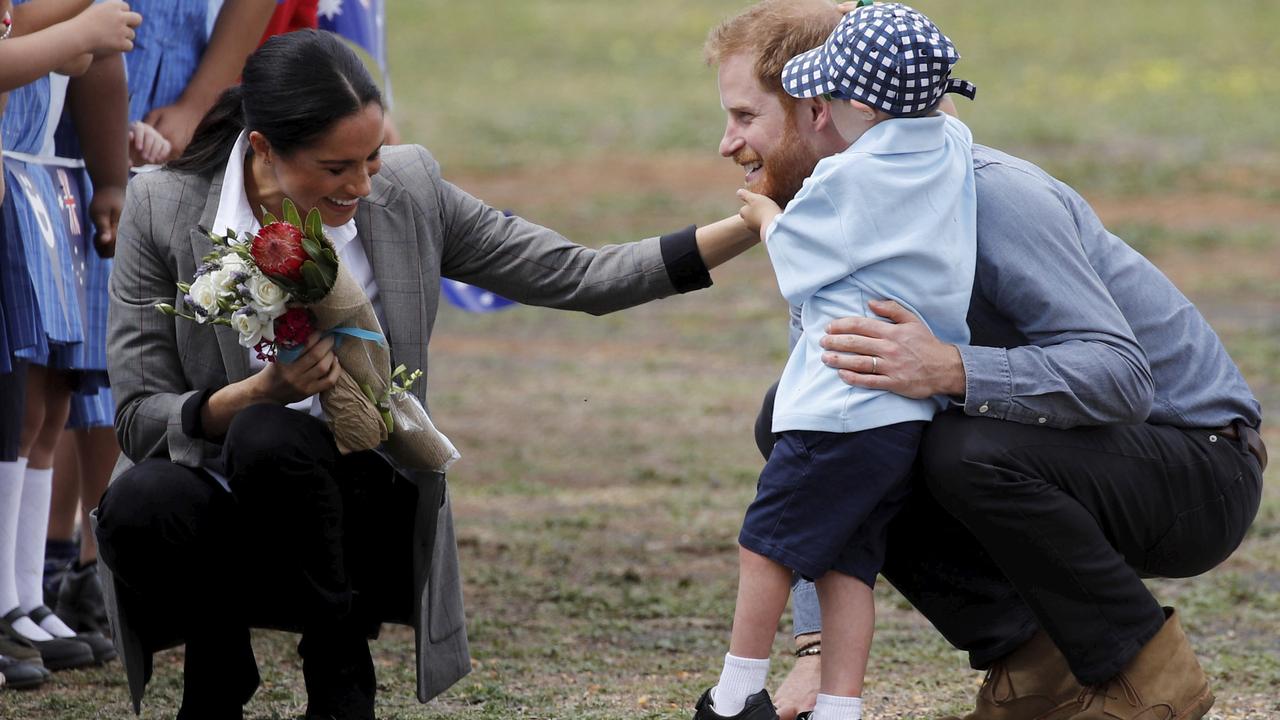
{"points": [[235, 35], [98, 102], [809, 245]]}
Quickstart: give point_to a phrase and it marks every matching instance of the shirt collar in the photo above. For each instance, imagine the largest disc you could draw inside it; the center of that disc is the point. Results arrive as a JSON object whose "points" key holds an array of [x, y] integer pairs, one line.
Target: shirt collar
{"points": [[234, 211], [903, 135]]}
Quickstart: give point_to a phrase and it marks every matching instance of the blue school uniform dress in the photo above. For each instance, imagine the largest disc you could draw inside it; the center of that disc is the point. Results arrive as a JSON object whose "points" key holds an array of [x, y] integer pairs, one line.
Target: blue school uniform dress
{"points": [[166, 53], [92, 404], [42, 310]]}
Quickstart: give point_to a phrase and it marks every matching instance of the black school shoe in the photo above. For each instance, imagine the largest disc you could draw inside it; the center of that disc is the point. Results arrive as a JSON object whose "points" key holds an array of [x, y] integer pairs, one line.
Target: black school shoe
{"points": [[20, 675], [103, 649], [758, 707], [58, 653]]}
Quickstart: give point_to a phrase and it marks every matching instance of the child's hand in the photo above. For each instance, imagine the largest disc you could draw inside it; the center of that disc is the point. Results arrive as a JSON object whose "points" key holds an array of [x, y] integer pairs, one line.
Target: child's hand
{"points": [[757, 210], [177, 123], [104, 210], [107, 27], [146, 145]]}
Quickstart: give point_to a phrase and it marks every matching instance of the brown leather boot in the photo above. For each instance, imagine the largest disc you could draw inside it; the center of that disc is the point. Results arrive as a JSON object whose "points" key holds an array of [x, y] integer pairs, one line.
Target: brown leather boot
{"points": [[1030, 683], [1162, 682]]}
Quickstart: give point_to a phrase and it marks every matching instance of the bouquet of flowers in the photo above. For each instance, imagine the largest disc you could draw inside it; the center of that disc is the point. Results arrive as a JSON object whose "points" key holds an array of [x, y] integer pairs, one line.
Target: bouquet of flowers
{"points": [[278, 287]]}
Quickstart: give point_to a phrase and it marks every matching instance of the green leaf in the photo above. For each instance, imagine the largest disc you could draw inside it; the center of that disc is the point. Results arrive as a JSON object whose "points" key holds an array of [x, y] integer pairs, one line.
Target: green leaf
{"points": [[267, 217], [313, 278], [312, 249], [291, 214], [314, 229], [389, 421]]}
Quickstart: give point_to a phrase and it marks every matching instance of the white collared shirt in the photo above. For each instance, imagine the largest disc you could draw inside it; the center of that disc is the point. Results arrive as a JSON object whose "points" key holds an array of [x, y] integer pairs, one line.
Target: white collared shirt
{"points": [[234, 212]]}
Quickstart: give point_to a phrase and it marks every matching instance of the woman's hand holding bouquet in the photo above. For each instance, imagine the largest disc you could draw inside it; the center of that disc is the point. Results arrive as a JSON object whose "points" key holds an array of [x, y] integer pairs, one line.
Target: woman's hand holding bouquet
{"points": [[277, 289]]}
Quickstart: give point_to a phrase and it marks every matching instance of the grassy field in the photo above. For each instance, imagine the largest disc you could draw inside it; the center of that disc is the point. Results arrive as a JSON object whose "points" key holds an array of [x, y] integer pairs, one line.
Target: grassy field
{"points": [[607, 460]]}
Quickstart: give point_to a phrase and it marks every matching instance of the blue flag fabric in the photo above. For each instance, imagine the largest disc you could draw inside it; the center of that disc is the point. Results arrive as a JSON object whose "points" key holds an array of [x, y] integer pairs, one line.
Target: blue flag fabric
{"points": [[363, 22], [472, 298]]}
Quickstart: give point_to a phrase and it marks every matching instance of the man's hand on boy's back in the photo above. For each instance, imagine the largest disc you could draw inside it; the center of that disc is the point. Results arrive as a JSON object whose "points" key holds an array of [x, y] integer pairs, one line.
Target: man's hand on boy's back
{"points": [[901, 356]]}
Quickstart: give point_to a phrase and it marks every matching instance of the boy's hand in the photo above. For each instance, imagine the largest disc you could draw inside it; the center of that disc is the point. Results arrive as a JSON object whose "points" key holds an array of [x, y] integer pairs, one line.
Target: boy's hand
{"points": [[108, 27], [757, 210], [147, 146]]}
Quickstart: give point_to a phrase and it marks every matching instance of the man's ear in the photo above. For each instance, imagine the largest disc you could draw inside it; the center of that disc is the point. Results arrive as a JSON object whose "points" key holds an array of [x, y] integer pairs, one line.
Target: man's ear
{"points": [[815, 113]]}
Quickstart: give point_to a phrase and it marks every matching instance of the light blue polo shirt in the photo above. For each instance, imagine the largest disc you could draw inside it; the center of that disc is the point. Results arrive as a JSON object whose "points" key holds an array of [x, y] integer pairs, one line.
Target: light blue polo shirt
{"points": [[894, 217]]}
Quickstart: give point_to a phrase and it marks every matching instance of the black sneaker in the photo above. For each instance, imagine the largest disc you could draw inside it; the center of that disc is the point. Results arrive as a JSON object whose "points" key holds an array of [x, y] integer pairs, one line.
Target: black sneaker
{"points": [[758, 707], [20, 675]]}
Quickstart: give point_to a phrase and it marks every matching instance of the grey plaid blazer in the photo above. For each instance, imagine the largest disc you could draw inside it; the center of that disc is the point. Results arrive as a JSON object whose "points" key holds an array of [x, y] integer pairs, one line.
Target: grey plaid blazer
{"points": [[415, 228]]}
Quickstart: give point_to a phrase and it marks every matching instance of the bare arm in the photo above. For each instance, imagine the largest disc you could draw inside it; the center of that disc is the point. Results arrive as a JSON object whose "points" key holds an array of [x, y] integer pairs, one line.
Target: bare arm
{"points": [[99, 107], [236, 33], [724, 240], [102, 29]]}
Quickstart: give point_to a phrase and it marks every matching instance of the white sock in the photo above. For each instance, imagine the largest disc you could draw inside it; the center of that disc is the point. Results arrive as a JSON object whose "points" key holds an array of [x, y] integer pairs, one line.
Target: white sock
{"points": [[740, 679], [33, 528], [834, 707], [10, 498]]}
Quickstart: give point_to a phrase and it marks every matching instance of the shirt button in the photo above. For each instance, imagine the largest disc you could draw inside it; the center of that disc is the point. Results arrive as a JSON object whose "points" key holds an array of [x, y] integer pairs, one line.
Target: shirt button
{"points": [[983, 408], [1213, 438], [1043, 420]]}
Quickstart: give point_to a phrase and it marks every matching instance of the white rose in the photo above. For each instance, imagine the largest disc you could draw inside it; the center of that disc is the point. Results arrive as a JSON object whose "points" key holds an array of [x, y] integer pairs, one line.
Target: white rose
{"points": [[249, 324], [205, 295], [232, 262], [267, 297], [222, 281]]}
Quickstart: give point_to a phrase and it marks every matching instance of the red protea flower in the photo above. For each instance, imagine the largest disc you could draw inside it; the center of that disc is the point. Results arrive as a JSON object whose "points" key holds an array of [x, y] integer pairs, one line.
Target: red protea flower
{"points": [[277, 249]]}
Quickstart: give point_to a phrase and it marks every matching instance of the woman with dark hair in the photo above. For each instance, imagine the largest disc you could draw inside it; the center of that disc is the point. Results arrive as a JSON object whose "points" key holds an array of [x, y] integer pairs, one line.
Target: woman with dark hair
{"points": [[233, 506]]}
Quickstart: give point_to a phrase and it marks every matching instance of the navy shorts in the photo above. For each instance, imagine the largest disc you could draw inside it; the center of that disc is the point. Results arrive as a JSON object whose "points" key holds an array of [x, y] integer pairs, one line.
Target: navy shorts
{"points": [[824, 500]]}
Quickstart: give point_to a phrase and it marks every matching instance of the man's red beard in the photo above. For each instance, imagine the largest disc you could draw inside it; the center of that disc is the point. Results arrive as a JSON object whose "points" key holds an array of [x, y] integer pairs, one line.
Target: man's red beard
{"points": [[785, 169]]}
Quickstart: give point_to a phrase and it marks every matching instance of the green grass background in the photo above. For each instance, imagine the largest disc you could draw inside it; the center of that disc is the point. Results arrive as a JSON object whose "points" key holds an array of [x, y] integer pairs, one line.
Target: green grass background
{"points": [[607, 460]]}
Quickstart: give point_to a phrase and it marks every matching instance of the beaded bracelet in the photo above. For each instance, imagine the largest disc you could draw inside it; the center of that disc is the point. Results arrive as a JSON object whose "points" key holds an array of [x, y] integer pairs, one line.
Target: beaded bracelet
{"points": [[7, 23], [809, 649]]}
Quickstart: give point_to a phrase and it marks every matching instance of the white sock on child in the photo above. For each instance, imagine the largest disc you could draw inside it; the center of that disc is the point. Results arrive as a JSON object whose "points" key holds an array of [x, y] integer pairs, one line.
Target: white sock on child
{"points": [[10, 498], [12, 476], [834, 707], [740, 679], [33, 527]]}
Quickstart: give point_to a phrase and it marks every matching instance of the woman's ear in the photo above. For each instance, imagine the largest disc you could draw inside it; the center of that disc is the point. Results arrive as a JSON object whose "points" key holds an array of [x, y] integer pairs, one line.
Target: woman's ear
{"points": [[261, 147]]}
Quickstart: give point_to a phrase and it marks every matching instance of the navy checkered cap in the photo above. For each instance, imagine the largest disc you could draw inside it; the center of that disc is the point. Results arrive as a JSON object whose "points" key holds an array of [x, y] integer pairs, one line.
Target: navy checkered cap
{"points": [[886, 55]]}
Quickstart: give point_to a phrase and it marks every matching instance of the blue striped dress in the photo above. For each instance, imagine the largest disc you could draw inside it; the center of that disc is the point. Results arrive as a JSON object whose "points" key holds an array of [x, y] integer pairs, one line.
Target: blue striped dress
{"points": [[166, 53], [42, 311]]}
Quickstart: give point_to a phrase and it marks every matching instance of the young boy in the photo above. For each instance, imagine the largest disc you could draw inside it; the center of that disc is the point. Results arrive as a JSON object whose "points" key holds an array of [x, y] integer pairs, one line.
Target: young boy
{"points": [[892, 217]]}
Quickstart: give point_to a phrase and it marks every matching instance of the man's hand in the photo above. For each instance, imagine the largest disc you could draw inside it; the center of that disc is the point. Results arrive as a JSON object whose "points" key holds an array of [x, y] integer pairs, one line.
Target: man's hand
{"points": [[799, 691], [901, 356], [104, 210], [177, 124], [757, 210]]}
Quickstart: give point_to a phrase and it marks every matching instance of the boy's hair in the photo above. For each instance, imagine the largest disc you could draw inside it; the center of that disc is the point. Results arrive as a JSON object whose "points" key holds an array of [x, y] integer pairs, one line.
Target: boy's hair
{"points": [[773, 31]]}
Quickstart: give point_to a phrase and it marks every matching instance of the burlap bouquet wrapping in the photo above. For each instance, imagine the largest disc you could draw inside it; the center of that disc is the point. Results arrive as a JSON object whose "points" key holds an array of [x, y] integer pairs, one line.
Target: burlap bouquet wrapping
{"points": [[357, 423]]}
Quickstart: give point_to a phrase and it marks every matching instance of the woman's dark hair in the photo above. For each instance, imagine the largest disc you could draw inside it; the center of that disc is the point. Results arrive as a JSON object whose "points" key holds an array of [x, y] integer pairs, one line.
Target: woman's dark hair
{"points": [[294, 88]]}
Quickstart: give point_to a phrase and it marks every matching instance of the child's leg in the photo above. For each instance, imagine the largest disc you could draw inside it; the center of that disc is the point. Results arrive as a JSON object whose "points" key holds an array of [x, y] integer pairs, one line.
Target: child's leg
{"points": [[763, 588], [847, 603]]}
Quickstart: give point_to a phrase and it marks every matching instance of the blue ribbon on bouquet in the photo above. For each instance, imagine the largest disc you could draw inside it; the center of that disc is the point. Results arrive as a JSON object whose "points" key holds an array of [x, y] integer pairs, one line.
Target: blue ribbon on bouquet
{"points": [[288, 355]]}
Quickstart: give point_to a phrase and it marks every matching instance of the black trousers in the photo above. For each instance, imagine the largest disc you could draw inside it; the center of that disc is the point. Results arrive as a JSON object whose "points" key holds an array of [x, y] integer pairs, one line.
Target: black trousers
{"points": [[1014, 527], [304, 541]]}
